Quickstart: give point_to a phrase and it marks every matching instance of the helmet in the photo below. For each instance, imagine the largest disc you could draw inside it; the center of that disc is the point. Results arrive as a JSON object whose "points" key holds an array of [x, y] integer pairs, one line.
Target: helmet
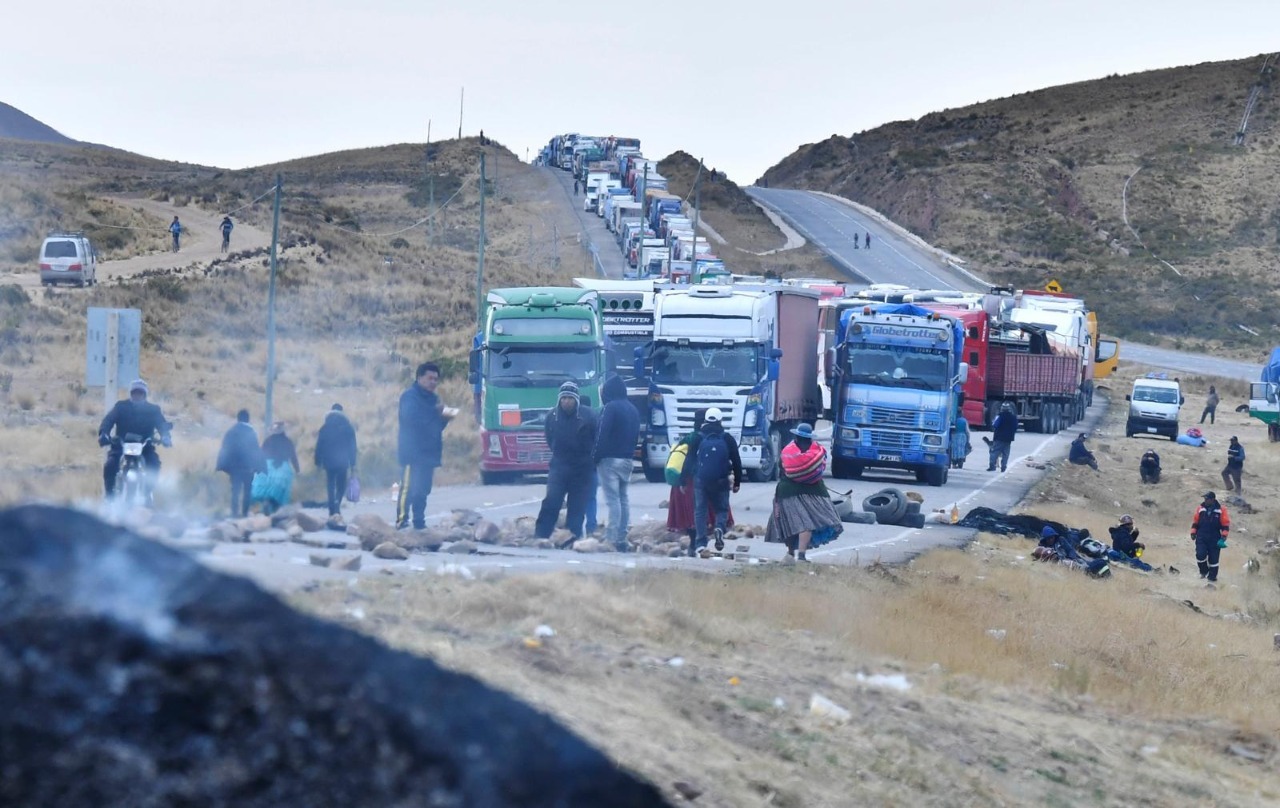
{"points": [[1007, 406]]}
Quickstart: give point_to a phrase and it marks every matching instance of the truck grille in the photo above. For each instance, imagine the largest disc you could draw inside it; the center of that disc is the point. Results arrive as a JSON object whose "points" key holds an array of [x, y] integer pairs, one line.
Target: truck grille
{"points": [[531, 438], [689, 407], [890, 441], [902, 419]]}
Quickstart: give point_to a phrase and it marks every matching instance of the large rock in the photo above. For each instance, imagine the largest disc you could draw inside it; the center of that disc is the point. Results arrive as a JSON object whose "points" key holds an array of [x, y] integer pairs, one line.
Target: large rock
{"points": [[588, 546], [462, 548], [309, 522], [487, 532], [390, 551], [229, 531], [132, 675], [425, 540], [273, 536], [285, 515], [254, 524], [371, 530]]}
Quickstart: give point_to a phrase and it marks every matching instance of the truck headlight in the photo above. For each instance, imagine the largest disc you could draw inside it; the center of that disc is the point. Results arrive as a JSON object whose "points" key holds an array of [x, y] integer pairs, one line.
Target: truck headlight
{"points": [[657, 418], [850, 435], [495, 446], [750, 420], [933, 440]]}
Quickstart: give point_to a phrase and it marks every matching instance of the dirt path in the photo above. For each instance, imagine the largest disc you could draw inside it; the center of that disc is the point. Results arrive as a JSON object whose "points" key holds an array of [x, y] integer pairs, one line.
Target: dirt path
{"points": [[201, 243]]}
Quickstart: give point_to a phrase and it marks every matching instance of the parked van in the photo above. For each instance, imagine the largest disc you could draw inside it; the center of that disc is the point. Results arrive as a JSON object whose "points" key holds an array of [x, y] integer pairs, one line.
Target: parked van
{"points": [[1153, 407], [68, 258]]}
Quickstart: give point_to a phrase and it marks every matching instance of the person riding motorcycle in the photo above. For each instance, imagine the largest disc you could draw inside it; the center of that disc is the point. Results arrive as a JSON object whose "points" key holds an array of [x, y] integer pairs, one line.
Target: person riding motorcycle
{"points": [[132, 416]]}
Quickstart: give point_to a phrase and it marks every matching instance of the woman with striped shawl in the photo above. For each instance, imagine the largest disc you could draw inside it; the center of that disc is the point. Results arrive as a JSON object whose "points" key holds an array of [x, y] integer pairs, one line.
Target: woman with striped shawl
{"points": [[803, 515]]}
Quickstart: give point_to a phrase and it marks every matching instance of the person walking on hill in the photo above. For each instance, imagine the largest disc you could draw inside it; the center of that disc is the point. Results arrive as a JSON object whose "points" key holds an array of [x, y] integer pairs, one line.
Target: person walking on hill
{"points": [[1235, 466], [226, 227], [1209, 529], [420, 444], [803, 515], [175, 227], [571, 430], [615, 453], [1210, 406], [274, 488], [240, 457], [336, 454], [1080, 454], [718, 458], [868, 242], [1003, 430]]}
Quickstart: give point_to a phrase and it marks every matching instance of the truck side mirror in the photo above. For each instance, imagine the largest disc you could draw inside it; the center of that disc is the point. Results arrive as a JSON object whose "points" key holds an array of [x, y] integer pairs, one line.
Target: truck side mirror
{"points": [[473, 367], [772, 369], [1182, 400], [637, 361], [963, 376], [776, 353], [1128, 397]]}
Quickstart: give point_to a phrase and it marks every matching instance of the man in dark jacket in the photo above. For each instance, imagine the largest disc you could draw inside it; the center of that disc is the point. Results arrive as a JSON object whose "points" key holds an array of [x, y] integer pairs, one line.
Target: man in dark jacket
{"points": [[1080, 454], [1003, 430], [615, 456], [336, 454], [1209, 529], [1235, 466], [711, 482], [133, 416], [1149, 466], [240, 458], [1124, 538], [420, 445], [571, 435]]}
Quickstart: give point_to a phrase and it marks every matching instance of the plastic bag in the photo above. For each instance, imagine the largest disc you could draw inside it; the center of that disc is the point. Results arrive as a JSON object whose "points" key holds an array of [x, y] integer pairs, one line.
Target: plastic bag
{"points": [[353, 489]]}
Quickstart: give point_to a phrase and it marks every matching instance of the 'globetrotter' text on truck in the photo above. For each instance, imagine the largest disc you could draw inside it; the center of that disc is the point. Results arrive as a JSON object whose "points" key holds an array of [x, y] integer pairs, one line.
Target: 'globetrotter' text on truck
{"points": [[720, 346], [532, 341], [896, 392]]}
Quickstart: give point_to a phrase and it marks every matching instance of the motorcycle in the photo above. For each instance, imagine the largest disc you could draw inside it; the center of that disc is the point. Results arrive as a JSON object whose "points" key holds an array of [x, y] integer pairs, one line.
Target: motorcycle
{"points": [[131, 482]]}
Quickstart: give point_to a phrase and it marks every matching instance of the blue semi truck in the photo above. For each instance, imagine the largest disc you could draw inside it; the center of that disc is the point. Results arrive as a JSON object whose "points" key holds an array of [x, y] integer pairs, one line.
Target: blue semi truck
{"points": [[896, 391]]}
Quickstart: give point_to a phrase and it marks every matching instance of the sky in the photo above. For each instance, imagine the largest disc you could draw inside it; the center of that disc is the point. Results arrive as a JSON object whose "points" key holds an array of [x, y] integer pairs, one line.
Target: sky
{"points": [[741, 84]]}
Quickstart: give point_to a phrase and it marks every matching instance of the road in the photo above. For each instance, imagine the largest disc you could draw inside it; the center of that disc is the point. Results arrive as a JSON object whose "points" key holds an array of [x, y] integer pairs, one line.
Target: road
{"points": [[839, 229], [596, 237]]}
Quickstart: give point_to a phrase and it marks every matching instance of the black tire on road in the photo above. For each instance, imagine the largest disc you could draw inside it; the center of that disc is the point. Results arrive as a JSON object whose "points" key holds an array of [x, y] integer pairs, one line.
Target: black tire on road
{"points": [[860, 518], [915, 520], [888, 505], [912, 507], [654, 475]]}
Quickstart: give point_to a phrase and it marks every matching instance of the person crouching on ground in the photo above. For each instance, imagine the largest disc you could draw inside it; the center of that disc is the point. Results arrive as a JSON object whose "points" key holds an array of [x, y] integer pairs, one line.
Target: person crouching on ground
{"points": [[1124, 538], [571, 435], [1080, 454], [1149, 467], [803, 515]]}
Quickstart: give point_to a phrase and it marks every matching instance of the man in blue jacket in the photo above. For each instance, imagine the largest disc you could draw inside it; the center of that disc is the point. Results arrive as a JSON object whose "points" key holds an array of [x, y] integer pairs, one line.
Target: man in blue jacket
{"points": [[1003, 430], [420, 445], [571, 435], [615, 456]]}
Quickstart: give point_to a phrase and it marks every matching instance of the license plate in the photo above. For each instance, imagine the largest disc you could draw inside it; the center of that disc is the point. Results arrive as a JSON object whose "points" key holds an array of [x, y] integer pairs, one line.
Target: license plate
{"points": [[1152, 430], [894, 457], [133, 449]]}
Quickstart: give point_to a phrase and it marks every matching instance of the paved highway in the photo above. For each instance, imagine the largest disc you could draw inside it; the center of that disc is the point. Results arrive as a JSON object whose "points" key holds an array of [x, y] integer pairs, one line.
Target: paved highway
{"points": [[839, 229], [596, 237]]}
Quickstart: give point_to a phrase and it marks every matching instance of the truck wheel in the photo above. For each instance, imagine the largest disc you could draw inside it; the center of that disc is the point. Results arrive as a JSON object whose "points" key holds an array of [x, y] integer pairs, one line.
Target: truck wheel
{"points": [[888, 505], [936, 475], [654, 475], [496, 477], [841, 468], [769, 462]]}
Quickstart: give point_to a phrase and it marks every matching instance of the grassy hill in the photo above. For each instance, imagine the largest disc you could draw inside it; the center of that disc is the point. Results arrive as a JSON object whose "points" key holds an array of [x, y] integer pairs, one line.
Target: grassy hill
{"points": [[16, 124], [1030, 188]]}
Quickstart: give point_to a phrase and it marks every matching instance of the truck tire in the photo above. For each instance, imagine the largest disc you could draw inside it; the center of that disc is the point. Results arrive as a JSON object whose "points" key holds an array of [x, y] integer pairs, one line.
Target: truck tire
{"points": [[497, 477], [915, 520], [888, 505], [770, 459], [859, 518], [845, 469], [654, 475], [936, 476], [913, 507]]}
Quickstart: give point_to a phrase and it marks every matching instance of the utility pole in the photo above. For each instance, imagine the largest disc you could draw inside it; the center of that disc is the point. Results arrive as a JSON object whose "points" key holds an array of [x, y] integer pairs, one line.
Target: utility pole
{"points": [[555, 245], [461, 99], [431, 190], [480, 263], [697, 216], [271, 305]]}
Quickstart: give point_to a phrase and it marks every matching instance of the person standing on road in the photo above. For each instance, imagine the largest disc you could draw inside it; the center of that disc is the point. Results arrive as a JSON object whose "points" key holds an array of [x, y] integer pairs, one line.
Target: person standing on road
{"points": [[274, 488], [575, 186], [868, 241], [570, 430], [1209, 529], [680, 503], [420, 444], [175, 227], [803, 515], [1235, 466], [1003, 430], [336, 454], [1210, 406], [240, 458], [615, 456], [718, 456], [226, 227]]}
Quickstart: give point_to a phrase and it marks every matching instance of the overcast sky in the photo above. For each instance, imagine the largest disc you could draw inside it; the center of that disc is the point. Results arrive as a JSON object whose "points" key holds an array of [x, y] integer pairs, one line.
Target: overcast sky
{"points": [[235, 83]]}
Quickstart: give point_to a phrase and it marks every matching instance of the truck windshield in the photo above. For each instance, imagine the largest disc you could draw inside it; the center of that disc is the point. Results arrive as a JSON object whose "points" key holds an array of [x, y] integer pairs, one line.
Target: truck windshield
{"points": [[1156, 395], [896, 366], [624, 348], [540, 366], [705, 364]]}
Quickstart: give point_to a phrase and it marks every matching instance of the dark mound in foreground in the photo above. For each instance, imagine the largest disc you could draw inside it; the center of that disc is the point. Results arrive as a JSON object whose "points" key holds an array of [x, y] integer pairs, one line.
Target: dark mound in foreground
{"points": [[131, 675]]}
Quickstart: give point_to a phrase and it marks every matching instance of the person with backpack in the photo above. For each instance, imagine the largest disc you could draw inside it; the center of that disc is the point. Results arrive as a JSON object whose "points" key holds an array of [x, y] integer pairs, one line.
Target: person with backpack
{"points": [[226, 228], [803, 515], [1209, 529], [240, 457], [718, 459], [570, 431], [680, 478], [336, 454], [615, 455]]}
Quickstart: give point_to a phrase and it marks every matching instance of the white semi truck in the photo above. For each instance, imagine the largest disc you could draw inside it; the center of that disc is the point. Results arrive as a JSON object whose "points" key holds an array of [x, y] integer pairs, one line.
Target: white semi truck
{"points": [[723, 346]]}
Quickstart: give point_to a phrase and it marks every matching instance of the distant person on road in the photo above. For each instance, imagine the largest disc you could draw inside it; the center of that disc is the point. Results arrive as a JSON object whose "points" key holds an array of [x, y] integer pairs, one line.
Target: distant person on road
{"points": [[1003, 430], [1209, 529], [868, 241], [1080, 454], [336, 454], [274, 487], [226, 227], [1235, 466], [1149, 467], [420, 445], [570, 430], [240, 457], [803, 515], [175, 227], [718, 473], [575, 187], [680, 502], [1210, 406], [615, 454]]}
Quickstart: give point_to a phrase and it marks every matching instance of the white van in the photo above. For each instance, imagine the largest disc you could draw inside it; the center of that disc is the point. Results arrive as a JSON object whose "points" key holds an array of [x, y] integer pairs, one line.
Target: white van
{"points": [[68, 258], [1153, 407]]}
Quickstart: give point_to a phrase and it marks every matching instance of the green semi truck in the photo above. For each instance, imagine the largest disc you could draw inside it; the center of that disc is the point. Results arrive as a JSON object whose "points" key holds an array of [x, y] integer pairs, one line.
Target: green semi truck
{"points": [[532, 340]]}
